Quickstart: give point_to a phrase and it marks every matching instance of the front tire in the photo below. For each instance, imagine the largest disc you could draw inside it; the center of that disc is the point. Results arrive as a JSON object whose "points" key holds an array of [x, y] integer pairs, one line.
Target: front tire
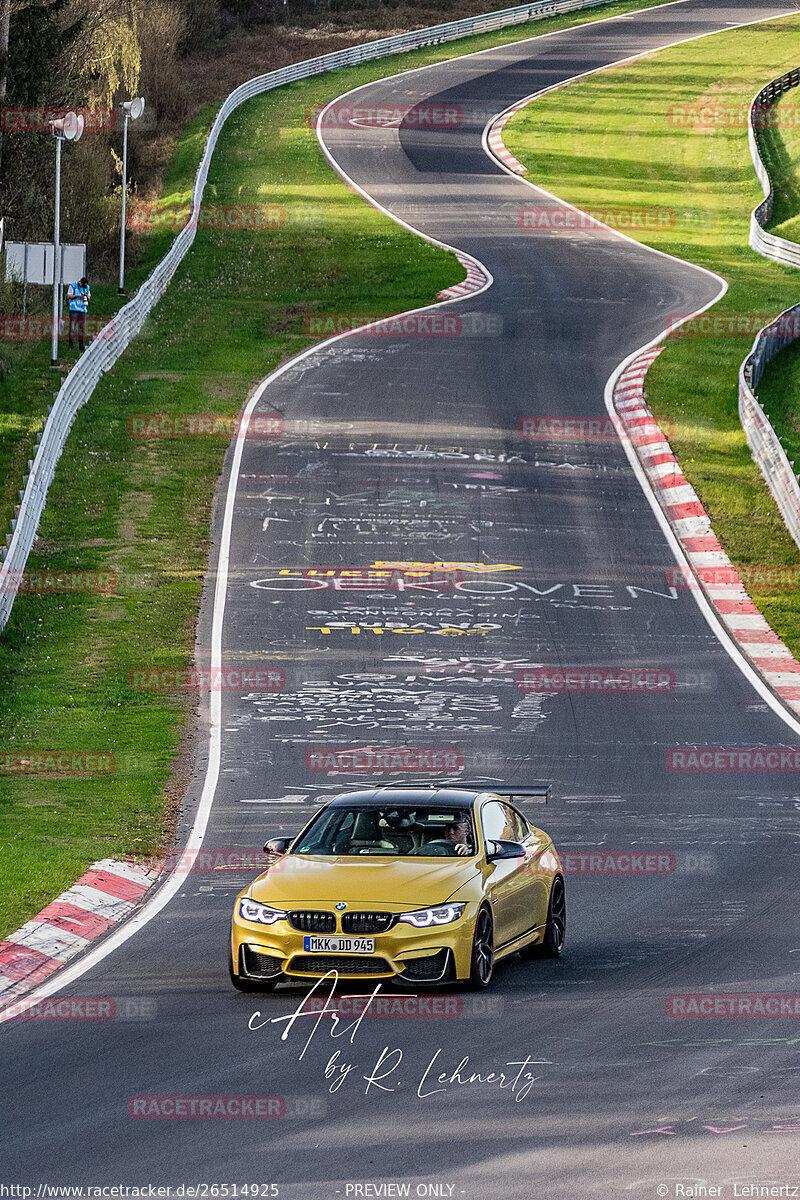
{"points": [[482, 962]]}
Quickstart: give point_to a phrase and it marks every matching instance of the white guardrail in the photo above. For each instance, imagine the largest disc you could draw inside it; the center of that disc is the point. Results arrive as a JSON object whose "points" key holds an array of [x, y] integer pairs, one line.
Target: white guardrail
{"points": [[104, 351], [762, 439], [768, 244]]}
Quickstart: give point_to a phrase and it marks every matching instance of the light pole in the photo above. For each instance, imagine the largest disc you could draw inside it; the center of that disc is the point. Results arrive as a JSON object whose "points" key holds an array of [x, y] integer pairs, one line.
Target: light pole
{"points": [[66, 129], [132, 109]]}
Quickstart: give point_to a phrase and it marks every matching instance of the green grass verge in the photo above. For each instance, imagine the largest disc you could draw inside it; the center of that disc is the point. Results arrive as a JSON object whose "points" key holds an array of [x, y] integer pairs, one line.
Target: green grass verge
{"points": [[141, 509], [627, 138]]}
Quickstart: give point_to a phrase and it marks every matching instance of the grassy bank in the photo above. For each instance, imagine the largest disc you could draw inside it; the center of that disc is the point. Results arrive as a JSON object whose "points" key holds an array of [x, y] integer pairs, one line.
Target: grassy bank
{"points": [[141, 509], [670, 132]]}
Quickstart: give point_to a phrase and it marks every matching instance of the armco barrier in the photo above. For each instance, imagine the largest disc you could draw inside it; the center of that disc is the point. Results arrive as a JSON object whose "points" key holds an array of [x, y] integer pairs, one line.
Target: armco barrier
{"points": [[762, 439], [102, 353], [768, 244]]}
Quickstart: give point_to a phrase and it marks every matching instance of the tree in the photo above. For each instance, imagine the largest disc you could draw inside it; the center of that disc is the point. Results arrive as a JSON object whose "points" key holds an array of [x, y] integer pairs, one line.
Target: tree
{"points": [[39, 36], [106, 56], [5, 26]]}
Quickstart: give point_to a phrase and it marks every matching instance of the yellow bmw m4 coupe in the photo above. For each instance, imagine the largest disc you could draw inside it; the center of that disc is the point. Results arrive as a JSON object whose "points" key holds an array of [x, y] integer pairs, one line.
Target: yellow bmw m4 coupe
{"points": [[419, 885]]}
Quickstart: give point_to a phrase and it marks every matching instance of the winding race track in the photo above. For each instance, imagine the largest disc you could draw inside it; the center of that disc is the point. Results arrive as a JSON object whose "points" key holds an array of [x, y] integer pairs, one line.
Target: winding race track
{"points": [[403, 447]]}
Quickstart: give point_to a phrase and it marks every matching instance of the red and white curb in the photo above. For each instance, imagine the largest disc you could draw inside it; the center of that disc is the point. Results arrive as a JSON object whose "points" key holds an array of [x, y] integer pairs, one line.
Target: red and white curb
{"points": [[494, 140], [476, 280], [691, 525], [107, 893]]}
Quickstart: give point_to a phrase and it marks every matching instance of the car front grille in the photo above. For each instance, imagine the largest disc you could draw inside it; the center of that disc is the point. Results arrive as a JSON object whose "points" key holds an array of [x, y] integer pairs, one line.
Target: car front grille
{"points": [[430, 968], [313, 922], [368, 922], [320, 964], [260, 966]]}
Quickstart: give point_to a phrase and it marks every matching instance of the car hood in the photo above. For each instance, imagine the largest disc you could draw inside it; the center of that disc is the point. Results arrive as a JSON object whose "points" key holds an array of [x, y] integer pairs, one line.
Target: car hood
{"points": [[392, 883]]}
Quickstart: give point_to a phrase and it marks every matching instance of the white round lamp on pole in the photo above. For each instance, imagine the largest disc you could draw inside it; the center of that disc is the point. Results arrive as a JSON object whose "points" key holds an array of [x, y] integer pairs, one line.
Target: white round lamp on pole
{"points": [[66, 129], [132, 110]]}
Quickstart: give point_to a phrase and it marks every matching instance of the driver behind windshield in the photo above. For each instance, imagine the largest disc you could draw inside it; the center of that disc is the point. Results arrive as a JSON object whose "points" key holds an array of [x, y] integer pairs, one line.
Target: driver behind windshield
{"points": [[457, 833], [366, 830]]}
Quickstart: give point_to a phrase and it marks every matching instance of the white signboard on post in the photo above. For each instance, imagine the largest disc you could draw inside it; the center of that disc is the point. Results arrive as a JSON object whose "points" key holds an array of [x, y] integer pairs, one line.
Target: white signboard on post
{"points": [[32, 262]]}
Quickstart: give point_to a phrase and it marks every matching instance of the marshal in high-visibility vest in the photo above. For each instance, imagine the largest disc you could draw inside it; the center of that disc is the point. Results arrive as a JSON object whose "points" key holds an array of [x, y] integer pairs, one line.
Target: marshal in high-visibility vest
{"points": [[78, 297]]}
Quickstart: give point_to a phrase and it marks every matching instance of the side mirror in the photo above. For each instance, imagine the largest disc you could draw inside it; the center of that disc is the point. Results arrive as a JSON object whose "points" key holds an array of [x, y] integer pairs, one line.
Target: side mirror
{"points": [[277, 845], [504, 849]]}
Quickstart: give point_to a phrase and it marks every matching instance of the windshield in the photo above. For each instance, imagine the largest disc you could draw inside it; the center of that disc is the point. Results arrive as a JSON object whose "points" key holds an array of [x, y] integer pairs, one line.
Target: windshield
{"points": [[389, 830]]}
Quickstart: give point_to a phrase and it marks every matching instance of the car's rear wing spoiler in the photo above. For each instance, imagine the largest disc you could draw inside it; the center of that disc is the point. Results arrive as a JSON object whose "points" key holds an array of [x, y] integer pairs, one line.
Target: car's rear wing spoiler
{"points": [[535, 793]]}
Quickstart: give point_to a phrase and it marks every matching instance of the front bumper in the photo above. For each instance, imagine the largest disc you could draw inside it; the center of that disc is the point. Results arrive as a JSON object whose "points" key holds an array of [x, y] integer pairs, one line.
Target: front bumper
{"points": [[413, 955]]}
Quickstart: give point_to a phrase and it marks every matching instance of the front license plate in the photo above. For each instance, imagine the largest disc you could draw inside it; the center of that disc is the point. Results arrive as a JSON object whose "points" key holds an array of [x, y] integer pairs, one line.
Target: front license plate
{"points": [[336, 945]]}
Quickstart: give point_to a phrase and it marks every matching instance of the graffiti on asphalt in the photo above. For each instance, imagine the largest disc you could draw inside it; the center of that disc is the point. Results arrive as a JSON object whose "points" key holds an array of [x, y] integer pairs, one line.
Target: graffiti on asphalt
{"points": [[390, 702]]}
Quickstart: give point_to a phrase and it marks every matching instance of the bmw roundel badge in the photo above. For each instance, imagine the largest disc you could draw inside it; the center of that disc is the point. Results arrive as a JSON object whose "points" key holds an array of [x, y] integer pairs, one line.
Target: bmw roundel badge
{"points": [[340, 906]]}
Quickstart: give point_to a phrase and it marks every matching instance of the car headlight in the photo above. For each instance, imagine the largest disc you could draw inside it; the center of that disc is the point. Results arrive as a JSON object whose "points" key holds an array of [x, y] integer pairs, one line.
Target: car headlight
{"points": [[442, 915], [250, 911]]}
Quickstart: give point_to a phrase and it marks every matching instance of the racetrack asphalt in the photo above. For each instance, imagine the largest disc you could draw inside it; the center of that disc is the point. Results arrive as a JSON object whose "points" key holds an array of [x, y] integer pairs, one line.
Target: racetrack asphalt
{"points": [[403, 447]]}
